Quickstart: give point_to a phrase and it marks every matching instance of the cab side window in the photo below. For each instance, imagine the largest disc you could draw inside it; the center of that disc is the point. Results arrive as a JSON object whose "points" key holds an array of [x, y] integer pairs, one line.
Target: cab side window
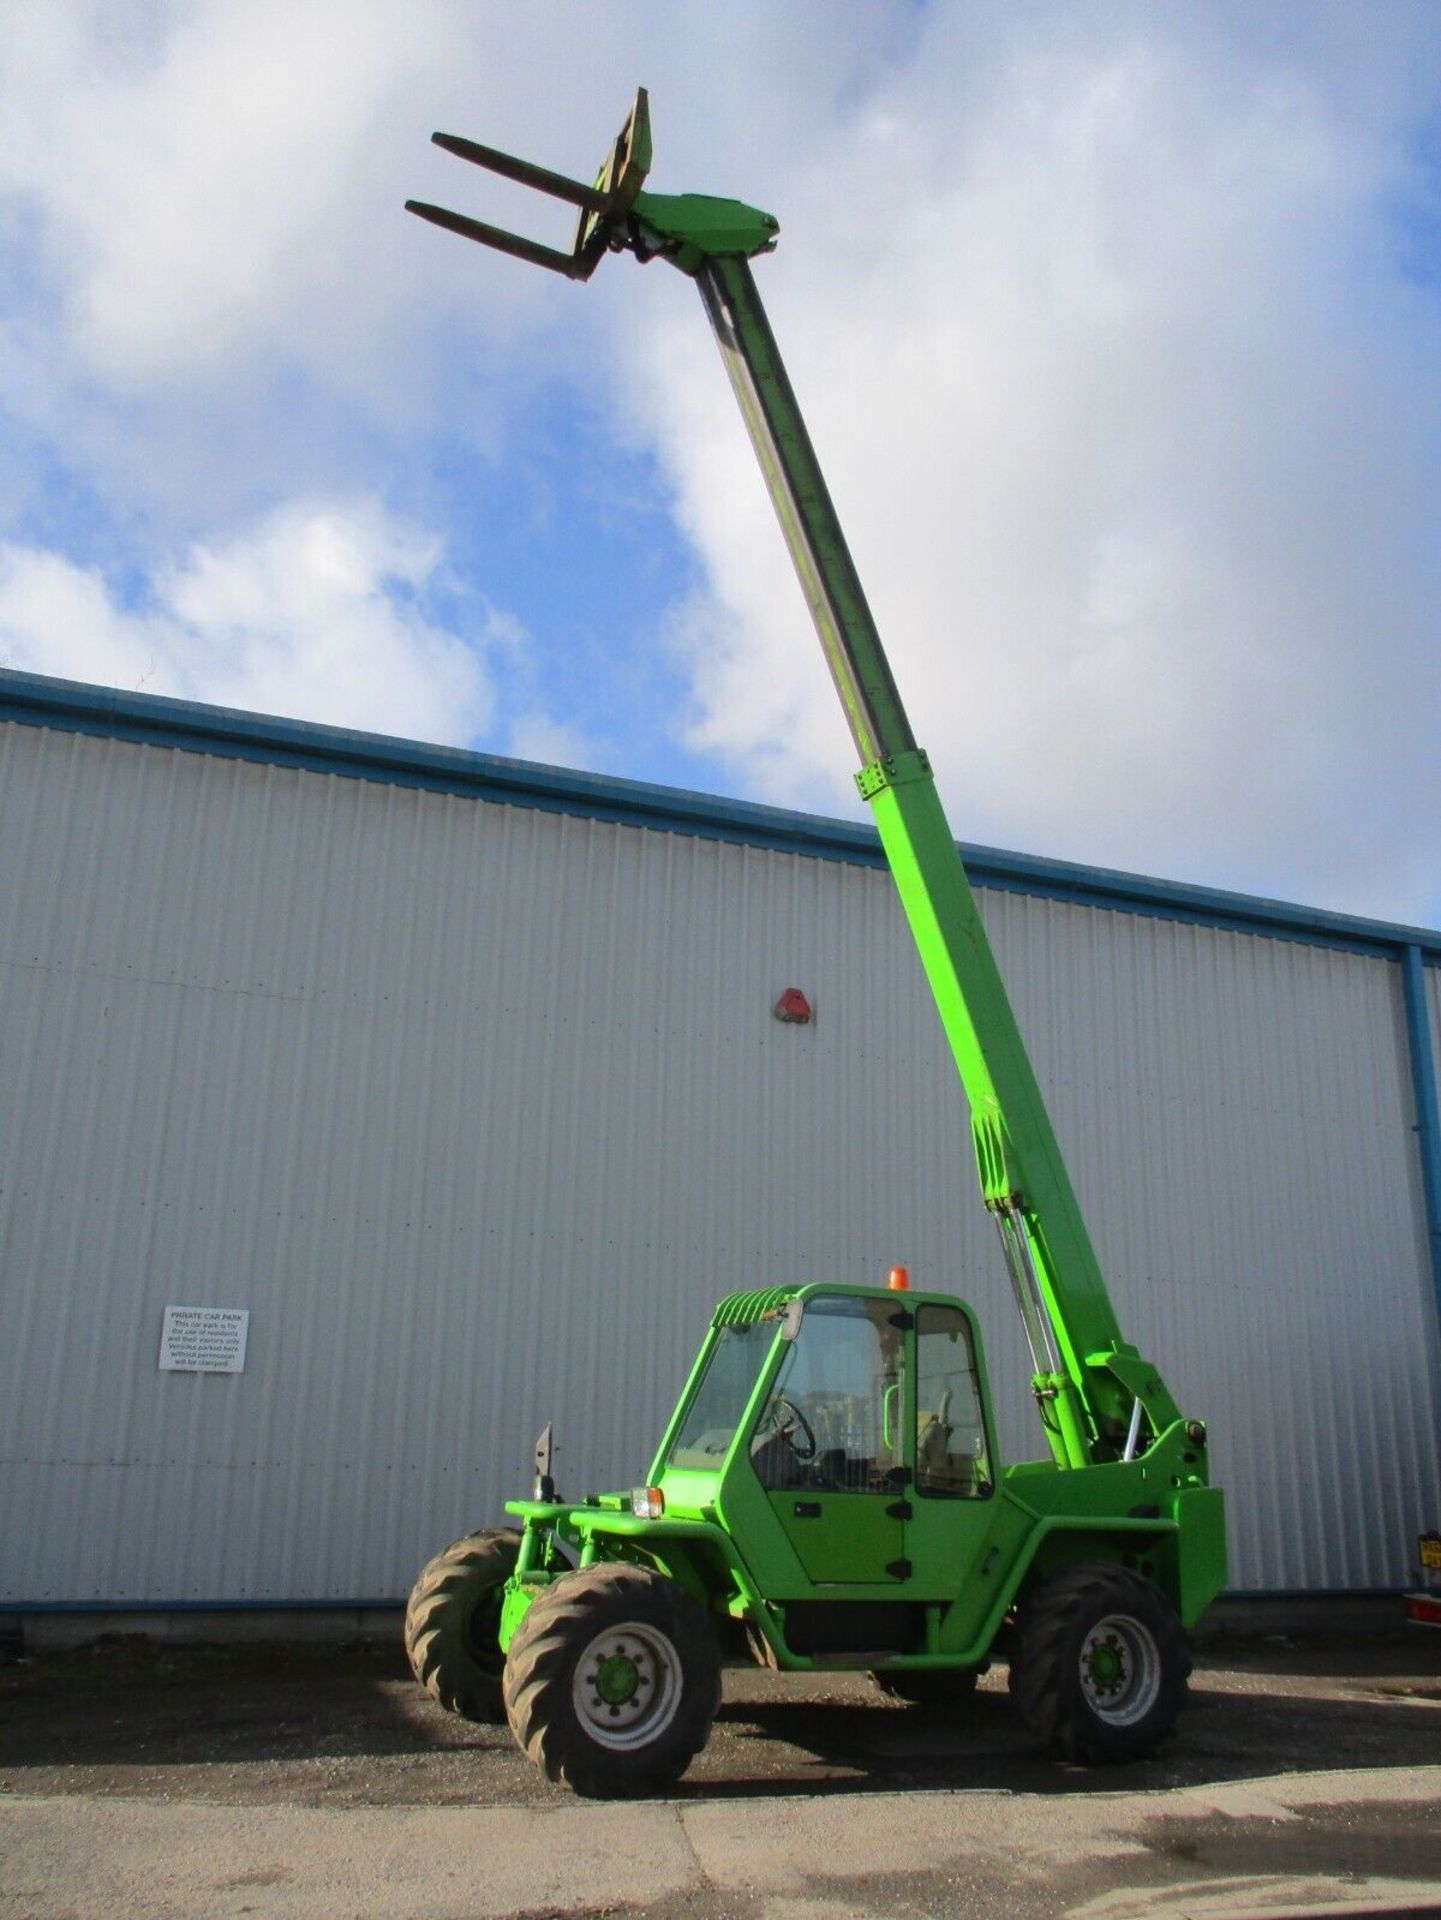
{"points": [[834, 1417], [952, 1456]]}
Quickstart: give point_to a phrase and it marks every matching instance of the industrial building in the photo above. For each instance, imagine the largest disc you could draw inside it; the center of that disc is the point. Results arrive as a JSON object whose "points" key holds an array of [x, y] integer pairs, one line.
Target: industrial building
{"points": [[427, 1097]]}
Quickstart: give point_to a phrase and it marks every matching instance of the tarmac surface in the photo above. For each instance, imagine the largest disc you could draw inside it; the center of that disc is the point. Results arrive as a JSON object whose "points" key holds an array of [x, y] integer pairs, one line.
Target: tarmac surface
{"points": [[320, 1783]]}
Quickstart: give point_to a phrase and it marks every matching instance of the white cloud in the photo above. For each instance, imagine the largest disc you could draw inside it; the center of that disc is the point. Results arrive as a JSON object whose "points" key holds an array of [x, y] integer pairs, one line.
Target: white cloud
{"points": [[1133, 424], [1094, 309], [215, 186], [195, 183], [314, 613], [211, 274]]}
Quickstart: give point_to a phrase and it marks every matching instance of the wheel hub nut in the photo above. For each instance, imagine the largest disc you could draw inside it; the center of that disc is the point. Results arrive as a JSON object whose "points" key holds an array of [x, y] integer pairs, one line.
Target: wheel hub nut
{"points": [[616, 1679], [1108, 1667]]}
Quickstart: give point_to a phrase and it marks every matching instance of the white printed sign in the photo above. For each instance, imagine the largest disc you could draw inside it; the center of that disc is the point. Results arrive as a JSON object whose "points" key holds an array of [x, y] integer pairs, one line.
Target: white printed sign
{"points": [[204, 1339]]}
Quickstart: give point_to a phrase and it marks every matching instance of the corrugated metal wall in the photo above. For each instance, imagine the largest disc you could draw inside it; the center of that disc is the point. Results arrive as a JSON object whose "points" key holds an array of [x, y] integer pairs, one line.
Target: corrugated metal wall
{"points": [[1237, 1112], [478, 1107]]}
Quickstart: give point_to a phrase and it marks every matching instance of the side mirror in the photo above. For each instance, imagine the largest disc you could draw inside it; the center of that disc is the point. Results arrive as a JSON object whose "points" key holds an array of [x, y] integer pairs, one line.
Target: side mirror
{"points": [[544, 1484]]}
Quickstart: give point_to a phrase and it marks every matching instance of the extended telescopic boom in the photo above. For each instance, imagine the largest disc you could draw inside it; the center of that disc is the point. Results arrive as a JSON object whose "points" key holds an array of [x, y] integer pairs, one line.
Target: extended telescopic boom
{"points": [[1099, 1399]]}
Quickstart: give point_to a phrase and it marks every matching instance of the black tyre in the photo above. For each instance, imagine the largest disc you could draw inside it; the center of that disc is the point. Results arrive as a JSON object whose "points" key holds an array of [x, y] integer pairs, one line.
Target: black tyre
{"points": [[937, 1687], [1099, 1664], [452, 1625], [612, 1681]]}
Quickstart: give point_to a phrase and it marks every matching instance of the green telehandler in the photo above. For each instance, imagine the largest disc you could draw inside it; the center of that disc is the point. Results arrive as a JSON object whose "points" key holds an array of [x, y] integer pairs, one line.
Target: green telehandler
{"points": [[828, 1493]]}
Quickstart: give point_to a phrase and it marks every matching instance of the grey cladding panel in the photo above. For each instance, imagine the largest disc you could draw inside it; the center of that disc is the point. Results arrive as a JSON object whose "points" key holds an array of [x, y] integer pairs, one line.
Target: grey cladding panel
{"points": [[477, 1108]]}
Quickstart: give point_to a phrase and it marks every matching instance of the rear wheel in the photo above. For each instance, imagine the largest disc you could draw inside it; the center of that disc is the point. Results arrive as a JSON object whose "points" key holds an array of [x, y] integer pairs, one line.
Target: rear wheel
{"points": [[452, 1624], [929, 1687], [1099, 1664], [612, 1680]]}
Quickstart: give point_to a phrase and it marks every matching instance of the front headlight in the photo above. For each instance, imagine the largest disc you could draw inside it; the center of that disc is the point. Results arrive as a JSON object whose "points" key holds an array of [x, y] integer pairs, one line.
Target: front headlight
{"points": [[647, 1503]]}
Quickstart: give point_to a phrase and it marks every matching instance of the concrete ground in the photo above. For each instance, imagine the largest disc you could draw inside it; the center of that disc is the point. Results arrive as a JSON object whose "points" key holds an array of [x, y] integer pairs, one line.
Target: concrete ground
{"points": [[318, 1782]]}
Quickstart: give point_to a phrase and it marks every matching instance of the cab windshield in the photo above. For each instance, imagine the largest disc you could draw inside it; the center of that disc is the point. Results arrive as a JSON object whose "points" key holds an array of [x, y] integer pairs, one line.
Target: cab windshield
{"points": [[725, 1387]]}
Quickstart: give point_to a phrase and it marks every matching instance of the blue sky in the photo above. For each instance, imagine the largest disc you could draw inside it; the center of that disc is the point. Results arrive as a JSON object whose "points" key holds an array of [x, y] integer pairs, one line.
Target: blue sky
{"points": [[1116, 327]]}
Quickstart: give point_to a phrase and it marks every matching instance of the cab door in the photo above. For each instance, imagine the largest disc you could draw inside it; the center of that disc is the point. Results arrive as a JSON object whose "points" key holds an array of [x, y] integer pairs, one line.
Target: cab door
{"points": [[831, 1443], [950, 1496]]}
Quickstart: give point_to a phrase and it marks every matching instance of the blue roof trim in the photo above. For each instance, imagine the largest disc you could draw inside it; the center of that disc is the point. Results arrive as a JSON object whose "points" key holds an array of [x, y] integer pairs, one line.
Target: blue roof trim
{"points": [[156, 720]]}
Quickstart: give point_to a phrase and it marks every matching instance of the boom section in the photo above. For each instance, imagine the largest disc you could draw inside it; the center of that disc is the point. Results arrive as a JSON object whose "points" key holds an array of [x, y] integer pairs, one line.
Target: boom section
{"points": [[1060, 1290], [1099, 1399]]}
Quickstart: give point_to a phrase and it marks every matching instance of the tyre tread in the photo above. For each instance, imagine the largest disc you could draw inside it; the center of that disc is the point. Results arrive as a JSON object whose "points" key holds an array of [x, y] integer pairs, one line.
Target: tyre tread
{"points": [[1046, 1690], [436, 1645], [541, 1660]]}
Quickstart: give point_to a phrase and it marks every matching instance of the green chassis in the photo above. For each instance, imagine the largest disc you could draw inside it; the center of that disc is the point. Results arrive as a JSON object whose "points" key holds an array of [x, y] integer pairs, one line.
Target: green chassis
{"points": [[960, 1563]]}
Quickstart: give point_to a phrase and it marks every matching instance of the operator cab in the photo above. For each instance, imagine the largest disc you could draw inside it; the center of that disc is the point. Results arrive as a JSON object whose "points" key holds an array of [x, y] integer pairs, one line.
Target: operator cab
{"points": [[835, 1416], [834, 1412], [842, 1418]]}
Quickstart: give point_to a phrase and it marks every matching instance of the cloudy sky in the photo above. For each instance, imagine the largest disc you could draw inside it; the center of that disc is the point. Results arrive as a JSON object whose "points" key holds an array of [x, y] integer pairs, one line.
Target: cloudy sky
{"points": [[1118, 328]]}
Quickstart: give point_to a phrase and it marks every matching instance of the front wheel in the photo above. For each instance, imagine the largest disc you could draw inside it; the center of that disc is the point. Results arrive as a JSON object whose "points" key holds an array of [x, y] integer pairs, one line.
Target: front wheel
{"points": [[612, 1680], [452, 1624], [1099, 1664]]}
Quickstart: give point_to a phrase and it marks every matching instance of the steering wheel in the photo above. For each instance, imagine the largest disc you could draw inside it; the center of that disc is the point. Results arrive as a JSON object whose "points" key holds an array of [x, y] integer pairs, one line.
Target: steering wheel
{"points": [[795, 1428]]}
